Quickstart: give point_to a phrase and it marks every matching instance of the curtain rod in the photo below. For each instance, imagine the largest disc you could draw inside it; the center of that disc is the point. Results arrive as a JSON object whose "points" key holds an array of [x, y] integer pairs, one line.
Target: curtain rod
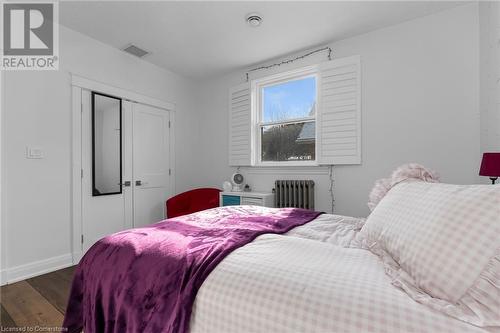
{"points": [[284, 62]]}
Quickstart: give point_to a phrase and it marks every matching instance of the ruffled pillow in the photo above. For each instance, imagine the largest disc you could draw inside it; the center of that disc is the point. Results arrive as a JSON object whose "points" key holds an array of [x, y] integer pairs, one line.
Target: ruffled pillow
{"points": [[440, 243], [404, 172]]}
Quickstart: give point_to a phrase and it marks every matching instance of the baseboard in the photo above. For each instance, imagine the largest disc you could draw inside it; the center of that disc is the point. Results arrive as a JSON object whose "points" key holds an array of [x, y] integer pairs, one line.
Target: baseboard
{"points": [[77, 256], [23, 272], [3, 277]]}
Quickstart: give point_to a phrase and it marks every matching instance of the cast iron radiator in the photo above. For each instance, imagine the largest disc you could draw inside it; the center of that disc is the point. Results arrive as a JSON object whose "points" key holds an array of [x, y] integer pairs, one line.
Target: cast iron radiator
{"points": [[294, 193]]}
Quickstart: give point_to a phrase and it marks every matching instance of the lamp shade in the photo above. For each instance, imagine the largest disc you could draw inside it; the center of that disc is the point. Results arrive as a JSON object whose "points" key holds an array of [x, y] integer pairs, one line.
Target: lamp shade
{"points": [[490, 166]]}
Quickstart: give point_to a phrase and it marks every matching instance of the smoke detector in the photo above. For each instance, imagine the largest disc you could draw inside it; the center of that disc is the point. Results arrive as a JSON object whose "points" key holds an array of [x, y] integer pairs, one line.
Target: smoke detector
{"points": [[135, 50], [254, 20]]}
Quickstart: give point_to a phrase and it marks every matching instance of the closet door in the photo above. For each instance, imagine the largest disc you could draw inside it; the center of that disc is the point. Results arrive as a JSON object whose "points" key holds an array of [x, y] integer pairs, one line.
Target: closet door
{"points": [[150, 163], [106, 166]]}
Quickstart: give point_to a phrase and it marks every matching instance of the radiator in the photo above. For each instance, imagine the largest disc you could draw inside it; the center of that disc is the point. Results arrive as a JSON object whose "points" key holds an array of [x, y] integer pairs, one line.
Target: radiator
{"points": [[294, 193]]}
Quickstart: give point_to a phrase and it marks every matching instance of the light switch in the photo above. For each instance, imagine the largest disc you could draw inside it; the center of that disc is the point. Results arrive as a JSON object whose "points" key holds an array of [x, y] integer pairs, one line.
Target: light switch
{"points": [[34, 152]]}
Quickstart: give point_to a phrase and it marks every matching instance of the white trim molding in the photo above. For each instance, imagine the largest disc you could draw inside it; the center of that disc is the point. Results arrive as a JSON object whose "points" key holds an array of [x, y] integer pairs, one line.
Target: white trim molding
{"points": [[32, 269], [171, 156], [86, 83], [76, 178]]}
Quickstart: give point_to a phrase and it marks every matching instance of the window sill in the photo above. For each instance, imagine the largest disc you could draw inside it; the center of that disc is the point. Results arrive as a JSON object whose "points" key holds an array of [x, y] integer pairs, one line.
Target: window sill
{"points": [[288, 169], [286, 164]]}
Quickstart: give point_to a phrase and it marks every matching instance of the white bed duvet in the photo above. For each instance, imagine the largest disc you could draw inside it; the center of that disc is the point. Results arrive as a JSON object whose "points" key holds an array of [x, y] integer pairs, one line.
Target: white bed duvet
{"points": [[309, 281]]}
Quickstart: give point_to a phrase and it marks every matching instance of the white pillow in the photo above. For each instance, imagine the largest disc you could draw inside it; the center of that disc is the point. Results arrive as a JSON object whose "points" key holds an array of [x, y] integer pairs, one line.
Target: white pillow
{"points": [[441, 244]]}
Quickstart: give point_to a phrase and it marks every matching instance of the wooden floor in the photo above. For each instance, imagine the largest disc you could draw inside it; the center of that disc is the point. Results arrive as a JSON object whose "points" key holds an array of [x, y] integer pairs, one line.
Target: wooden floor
{"points": [[37, 303]]}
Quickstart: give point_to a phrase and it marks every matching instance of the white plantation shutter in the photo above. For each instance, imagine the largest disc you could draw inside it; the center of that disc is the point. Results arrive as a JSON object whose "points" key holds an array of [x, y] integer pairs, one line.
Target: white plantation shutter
{"points": [[339, 111], [240, 125]]}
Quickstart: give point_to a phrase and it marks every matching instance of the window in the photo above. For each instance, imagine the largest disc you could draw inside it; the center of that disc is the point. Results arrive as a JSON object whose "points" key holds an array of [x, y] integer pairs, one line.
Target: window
{"points": [[309, 116], [286, 120]]}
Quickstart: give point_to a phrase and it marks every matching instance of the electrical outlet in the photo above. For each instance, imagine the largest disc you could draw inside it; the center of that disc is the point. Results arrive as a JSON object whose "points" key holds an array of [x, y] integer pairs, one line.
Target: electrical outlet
{"points": [[34, 152]]}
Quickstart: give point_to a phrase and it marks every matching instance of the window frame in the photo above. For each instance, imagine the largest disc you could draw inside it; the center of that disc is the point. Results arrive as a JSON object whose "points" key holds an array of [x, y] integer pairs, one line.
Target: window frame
{"points": [[257, 112]]}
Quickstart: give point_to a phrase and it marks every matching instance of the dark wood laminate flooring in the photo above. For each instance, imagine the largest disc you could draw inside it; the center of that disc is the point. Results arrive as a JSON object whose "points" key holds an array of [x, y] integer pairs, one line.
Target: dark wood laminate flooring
{"points": [[37, 303]]}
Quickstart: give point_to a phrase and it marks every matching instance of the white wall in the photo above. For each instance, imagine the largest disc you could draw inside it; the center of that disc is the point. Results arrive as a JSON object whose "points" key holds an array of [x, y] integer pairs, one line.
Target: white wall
{"points": [[419, 104], [489, 13], [36, 112]]}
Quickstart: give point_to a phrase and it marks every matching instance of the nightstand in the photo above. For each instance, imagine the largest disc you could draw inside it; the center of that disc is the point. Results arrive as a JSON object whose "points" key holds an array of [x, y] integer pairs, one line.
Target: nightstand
{"points": [[265, 199]]}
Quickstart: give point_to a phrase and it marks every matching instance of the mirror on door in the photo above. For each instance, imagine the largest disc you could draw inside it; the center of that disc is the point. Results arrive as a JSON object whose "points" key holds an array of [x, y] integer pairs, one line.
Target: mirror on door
{"points": [[106, 144]]}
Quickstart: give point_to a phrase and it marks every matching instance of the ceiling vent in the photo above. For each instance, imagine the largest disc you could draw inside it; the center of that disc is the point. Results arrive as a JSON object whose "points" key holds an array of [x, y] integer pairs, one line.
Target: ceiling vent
{"points": [[134, 50]]}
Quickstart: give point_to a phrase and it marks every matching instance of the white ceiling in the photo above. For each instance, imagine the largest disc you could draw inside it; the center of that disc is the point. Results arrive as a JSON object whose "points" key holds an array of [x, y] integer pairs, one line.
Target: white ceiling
{"points": [[199, 39]]}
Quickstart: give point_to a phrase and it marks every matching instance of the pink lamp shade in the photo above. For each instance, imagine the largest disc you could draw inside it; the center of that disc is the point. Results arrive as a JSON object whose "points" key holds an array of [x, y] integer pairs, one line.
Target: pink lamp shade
{"points": [[490, 166]]}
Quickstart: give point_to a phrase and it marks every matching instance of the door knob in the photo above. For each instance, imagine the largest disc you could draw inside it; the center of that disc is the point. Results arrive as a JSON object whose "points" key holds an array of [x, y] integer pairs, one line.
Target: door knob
{"points": [[138, 183], [126, 183]]}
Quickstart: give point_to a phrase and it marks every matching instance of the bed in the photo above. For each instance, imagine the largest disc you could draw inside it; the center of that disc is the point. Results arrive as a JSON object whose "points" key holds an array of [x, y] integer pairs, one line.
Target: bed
{"points": [[426, 260], [308, 280]]}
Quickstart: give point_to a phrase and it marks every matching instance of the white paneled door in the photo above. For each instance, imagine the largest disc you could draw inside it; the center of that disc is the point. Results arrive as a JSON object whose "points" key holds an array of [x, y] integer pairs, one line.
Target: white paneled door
{"points": [[125, 165], [150, 163]]}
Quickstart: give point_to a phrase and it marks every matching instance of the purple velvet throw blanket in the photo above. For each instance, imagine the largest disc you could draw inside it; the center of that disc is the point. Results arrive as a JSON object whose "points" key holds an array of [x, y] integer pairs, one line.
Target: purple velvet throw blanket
{"points": [[146, 279]]}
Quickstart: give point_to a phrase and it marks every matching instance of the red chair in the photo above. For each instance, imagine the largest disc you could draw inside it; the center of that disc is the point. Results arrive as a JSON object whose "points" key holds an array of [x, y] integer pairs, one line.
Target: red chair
{"points": [[192, 201]]}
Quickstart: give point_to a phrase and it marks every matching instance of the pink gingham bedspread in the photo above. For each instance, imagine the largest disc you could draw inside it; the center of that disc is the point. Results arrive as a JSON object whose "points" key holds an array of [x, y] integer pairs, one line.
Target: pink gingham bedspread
{"points": [[308, 281]]}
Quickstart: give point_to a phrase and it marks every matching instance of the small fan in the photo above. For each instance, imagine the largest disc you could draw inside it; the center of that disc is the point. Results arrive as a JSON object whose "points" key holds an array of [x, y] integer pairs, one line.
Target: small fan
{"points": [[237, 180]]}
